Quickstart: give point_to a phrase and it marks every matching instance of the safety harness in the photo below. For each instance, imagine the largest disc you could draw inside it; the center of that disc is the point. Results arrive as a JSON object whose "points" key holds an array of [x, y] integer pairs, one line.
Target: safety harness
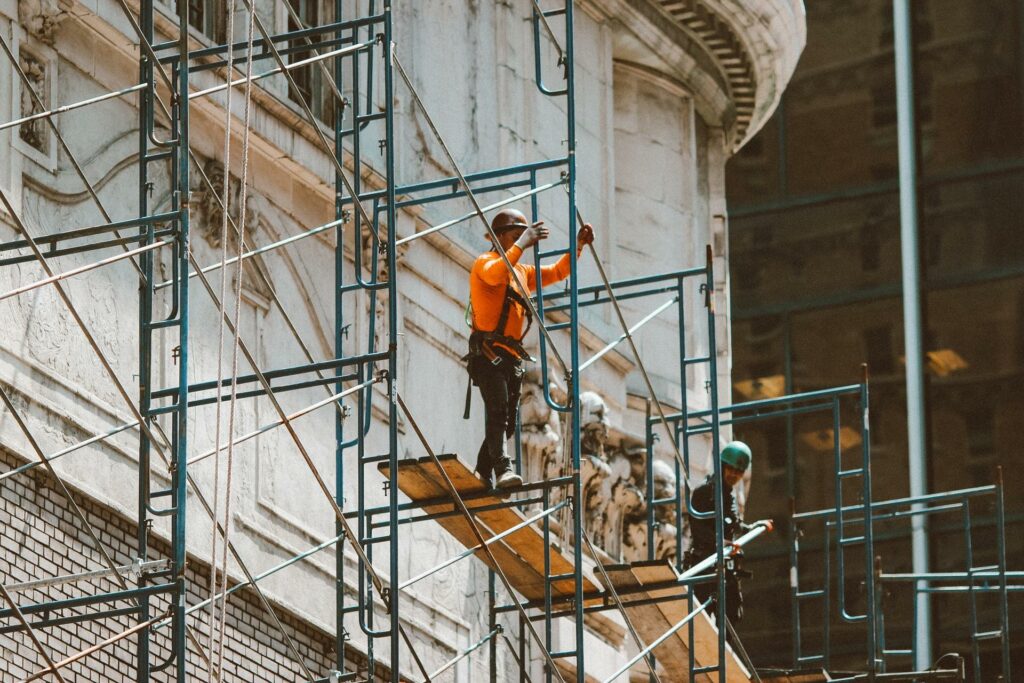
{"points": [[481, 342]]}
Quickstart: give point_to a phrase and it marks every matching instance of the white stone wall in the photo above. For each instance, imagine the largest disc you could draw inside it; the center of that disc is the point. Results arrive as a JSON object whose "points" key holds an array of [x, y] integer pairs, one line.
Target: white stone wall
{"points": [[651, 162]]}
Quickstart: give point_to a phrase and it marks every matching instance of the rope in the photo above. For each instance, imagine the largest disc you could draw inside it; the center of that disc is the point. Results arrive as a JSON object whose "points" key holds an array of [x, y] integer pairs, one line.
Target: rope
{"points": [[475, 526], [649, 658], [232, 405], [636, 355], [476, 204], [226, 201], [150, 430]]}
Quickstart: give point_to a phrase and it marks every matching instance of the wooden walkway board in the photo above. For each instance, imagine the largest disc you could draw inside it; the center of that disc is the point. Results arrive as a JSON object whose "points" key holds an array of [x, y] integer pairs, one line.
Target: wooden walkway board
{"points": [[520, 555], [653, 620]]}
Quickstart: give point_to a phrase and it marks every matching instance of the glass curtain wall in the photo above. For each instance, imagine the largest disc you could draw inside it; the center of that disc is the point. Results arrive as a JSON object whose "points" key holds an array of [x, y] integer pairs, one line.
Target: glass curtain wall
{"points": [[815, 278]]}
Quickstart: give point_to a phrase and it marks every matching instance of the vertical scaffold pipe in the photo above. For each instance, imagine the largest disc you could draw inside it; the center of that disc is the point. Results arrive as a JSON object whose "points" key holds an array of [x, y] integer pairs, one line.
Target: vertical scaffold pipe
{"points": [[339, 352], [716, 445], [392, 270], [145, 332], [574, 363], [916, 435], [180, 432], [870, 582]]}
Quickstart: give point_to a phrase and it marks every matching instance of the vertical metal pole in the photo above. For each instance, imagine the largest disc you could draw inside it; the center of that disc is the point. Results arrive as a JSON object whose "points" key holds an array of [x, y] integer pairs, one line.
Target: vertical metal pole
{"points": [[492, 623], [649, 481], [145, 345], [392, 270], [869, 534], [716, 461], [914, 352], [339, 352], [787, 372], [794, 581], [965, 512], [180, 453], [1004, 605], [574, 345]]}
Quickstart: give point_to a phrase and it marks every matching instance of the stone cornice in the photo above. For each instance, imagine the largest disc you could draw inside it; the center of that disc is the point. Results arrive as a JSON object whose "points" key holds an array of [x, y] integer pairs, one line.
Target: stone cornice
{"points": [[734, 56]]}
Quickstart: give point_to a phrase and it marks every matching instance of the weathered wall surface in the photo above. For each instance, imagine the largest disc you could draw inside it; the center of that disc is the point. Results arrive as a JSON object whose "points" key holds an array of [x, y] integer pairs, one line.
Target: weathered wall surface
{"points": [[655, 123]]}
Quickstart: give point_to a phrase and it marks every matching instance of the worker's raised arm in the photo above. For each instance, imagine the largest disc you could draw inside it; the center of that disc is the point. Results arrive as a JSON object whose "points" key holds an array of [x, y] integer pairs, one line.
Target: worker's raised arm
{"points": [[494, 271], [560, 269]]}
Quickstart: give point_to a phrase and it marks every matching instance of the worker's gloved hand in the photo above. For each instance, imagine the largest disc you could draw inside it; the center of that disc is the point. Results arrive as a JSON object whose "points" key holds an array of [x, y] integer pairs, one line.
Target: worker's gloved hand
{"points": [[768, 524], [531, 235], [585, 236]]}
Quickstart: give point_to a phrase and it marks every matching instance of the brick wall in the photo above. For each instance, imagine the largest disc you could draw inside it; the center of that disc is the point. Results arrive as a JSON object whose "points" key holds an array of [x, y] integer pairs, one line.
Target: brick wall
{"points": [[41, 537]]}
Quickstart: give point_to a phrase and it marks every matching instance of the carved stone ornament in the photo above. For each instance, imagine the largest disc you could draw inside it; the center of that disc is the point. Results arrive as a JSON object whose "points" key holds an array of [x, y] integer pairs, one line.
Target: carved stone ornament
{"points": [[35, 132], [213, 215], [208, 218], [42, 17], [612, 475]]}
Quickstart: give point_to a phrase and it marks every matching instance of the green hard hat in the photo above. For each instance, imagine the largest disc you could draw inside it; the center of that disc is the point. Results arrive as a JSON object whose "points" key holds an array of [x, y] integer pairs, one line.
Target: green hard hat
{"points": [[737, 454]]}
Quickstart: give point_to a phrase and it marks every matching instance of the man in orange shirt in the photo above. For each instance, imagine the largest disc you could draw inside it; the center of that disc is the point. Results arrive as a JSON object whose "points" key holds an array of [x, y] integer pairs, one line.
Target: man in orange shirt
{"points": [[496, 353]]}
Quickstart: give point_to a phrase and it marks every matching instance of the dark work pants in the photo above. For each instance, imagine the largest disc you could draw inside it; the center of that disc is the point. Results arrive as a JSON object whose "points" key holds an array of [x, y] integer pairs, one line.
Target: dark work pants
{"points": [[500, 387], [703, 591]]}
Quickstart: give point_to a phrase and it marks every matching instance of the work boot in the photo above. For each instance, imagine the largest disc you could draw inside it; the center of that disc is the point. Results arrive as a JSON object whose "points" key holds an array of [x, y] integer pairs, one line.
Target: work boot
{"points": [[508, 480], [484, 477]]}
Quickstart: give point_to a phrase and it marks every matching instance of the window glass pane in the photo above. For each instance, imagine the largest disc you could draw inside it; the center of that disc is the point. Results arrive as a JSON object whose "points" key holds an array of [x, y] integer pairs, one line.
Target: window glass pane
{"points": [[810, 253], [976, 367], [753, 175], [841, 104], [972, 226], [968, 90]]}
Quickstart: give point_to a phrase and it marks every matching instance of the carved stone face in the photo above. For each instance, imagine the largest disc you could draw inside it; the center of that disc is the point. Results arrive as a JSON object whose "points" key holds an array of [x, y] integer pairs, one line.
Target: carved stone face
{"points": [[664, 479], [594, 419]]}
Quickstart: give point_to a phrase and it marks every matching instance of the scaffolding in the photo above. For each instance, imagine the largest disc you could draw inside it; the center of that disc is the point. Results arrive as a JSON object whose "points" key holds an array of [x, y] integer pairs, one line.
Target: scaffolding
{"points": [[543, 566]]}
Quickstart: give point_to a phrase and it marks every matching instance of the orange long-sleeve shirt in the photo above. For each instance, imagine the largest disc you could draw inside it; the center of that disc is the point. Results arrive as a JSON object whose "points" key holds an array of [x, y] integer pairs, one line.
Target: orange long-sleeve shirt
{"points": [[487, 282]]}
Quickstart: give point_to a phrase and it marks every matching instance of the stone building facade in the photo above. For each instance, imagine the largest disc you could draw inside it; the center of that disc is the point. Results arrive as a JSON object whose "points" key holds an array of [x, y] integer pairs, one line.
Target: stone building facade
{"points": [[666, 93]]}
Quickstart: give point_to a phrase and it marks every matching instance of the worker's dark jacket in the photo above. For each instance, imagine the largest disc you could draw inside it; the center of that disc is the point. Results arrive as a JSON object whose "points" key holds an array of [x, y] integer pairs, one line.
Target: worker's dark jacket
{"points": [[702, 530]]}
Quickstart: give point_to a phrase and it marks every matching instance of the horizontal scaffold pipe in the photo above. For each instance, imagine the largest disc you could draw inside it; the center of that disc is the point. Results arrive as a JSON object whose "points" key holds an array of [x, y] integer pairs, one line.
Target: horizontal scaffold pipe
{"points": [[453, 183], [261, 250], [661, 639], [898, 502], [622, 337], [259, 577], [91, 650], [952, 576], [599, 290], [462, 655], [280, 38], [82, 269], [277, 423], [276, 70], [134, 570], [770, 402], [472, 214], [95, 438], [469, 551], [74, 105]]}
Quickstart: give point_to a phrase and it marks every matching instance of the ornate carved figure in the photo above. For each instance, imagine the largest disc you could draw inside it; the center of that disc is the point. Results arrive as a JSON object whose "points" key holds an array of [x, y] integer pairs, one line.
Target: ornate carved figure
{"points": [[613, 474], [34, 133], [594, 467], [42, 17], [213, 215], [540, 428]]}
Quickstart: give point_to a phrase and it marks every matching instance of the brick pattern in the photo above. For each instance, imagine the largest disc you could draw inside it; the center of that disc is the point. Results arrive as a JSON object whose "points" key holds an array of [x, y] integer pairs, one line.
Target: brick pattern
{"points": [[41, 537]]}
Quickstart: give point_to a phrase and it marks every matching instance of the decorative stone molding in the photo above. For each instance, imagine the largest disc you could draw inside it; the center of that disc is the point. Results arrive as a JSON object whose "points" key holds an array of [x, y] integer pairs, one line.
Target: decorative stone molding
{"points": [[35, 139], [40, 18], [612, 473], [208, 219], [734, 57]]}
